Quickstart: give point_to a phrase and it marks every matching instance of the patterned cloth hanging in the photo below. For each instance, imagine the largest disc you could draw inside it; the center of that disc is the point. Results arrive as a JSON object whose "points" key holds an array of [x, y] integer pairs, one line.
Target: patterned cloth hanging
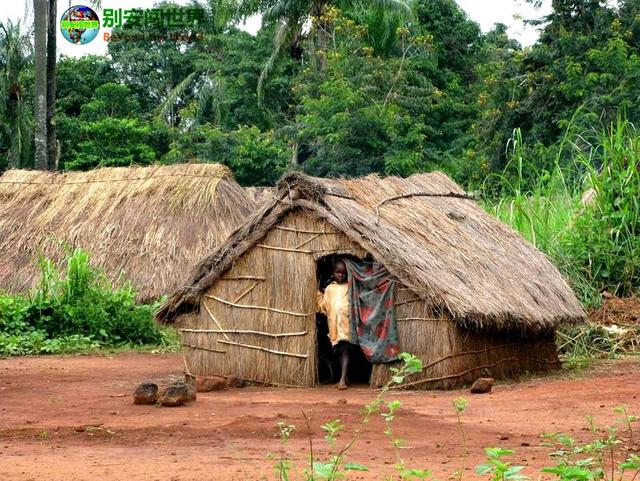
{"points": [[373, 320]]}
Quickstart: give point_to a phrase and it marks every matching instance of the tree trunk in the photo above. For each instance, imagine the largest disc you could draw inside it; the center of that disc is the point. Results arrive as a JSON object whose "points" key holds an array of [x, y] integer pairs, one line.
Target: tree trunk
{"points": [[40, 12], [52, 147], [321, 36]]}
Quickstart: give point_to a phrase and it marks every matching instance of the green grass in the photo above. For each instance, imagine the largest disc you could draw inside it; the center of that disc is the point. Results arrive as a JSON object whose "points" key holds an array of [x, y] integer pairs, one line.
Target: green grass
{"points": [[597, 246]]}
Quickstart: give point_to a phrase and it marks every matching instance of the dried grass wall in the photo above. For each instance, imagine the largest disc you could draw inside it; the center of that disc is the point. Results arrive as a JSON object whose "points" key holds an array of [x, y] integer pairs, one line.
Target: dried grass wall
{"points": [[274, 340], [453, 357]]}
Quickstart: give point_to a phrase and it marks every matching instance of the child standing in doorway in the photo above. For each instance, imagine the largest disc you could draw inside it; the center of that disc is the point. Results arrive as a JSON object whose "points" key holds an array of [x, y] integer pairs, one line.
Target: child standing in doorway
{"points": [[334, 303]]}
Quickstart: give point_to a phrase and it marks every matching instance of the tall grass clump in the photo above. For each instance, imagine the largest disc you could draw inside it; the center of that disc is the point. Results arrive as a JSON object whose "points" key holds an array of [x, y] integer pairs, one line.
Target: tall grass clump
{"points": [[605, 238], [596, 245], [74, 308], [540, 207]]}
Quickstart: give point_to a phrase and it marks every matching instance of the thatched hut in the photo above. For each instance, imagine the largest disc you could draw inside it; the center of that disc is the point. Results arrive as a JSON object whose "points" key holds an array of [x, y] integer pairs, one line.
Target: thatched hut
{"points": [[146, 223], [473, 296]]}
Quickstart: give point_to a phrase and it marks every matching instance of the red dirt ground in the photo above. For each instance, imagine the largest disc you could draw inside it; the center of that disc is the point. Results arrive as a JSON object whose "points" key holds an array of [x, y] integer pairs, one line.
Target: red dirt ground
{"points": [[72, 418]]}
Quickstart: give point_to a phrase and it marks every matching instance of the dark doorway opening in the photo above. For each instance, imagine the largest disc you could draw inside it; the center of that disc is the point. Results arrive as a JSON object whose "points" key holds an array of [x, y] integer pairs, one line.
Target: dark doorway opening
{"points": [[328, 368]]}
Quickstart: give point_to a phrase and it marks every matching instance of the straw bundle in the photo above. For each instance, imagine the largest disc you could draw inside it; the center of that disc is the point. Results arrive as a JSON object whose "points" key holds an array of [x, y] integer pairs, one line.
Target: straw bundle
{"points": [[147, 223], [477, 295]]}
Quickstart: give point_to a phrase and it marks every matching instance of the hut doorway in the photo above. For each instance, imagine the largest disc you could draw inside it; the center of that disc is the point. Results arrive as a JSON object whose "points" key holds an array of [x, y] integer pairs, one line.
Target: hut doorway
{"points": [[328, 369]]}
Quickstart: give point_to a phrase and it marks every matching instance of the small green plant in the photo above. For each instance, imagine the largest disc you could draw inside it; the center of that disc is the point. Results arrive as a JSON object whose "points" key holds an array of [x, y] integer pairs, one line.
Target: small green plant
{"points": [[459, 405], [332, 428], [497, 468], [285, 430], [607, 457], [283, 463], [611, 456]]}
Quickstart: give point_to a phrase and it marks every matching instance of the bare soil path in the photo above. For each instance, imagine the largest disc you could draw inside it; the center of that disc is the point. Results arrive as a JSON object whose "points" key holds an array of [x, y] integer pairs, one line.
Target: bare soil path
{"points": [[72, 418]]}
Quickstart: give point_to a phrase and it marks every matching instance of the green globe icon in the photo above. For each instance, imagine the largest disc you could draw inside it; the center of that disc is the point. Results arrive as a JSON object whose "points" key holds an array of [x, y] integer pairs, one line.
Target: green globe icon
{"points": [[79, 25]]}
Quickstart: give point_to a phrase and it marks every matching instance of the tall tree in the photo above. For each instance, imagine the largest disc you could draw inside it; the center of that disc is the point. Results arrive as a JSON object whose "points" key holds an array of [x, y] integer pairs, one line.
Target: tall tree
{"points": [[583, 71], [364, 113], [157, 65], [205, 82], [40, 12], [52, 144]]}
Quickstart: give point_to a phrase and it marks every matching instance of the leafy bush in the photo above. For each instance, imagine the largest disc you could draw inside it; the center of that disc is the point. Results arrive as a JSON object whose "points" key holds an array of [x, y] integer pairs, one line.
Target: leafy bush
{"points": [[256, 158], [74, 311], [37, 342], [107, 142]]}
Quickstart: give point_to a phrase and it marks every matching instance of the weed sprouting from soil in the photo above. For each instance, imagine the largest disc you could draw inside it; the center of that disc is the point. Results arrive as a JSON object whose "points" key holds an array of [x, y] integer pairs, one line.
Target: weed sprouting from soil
{"points": [[336, 465]]}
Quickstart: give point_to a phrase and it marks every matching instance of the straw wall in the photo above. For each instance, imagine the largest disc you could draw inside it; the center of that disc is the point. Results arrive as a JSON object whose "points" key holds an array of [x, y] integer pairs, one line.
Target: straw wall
{"points": [[453, 357], [273, 341]]}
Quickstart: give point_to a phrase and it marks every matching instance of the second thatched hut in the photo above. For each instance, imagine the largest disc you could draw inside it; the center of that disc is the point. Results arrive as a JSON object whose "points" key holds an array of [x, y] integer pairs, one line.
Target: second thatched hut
{"points": [[473, 297], [147, 224]]}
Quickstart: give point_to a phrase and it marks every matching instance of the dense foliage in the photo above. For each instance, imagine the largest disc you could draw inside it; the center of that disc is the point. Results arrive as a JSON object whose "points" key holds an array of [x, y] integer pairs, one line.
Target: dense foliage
{"points": [[74, 311], [605, 242], [333, 88], [591, 227]]}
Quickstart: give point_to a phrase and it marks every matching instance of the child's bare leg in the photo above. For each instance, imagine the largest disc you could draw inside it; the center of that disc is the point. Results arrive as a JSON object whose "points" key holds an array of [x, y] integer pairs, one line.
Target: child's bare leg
{"points": [[344, 362]]}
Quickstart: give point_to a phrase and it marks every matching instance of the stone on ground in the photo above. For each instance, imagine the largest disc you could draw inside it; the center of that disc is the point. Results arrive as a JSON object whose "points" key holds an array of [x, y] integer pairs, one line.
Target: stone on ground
{"points": [[482, 385], [146, 393], [210, 383], [177, 394]]}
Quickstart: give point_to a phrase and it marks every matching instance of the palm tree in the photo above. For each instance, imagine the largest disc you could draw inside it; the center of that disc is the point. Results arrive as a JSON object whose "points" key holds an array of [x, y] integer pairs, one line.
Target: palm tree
{"points": [[45, 23], [293, 15], [204, 84], [15, 57]]}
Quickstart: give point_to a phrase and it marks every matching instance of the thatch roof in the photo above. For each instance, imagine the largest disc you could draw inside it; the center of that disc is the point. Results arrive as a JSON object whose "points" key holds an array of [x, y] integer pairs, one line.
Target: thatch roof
{"points": [[444, 247], [260, 195], [149, 223]]}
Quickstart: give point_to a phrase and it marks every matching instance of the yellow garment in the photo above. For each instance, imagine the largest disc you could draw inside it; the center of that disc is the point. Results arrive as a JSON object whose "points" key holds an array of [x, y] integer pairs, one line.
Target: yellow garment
{"points": [[335, 304]]}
